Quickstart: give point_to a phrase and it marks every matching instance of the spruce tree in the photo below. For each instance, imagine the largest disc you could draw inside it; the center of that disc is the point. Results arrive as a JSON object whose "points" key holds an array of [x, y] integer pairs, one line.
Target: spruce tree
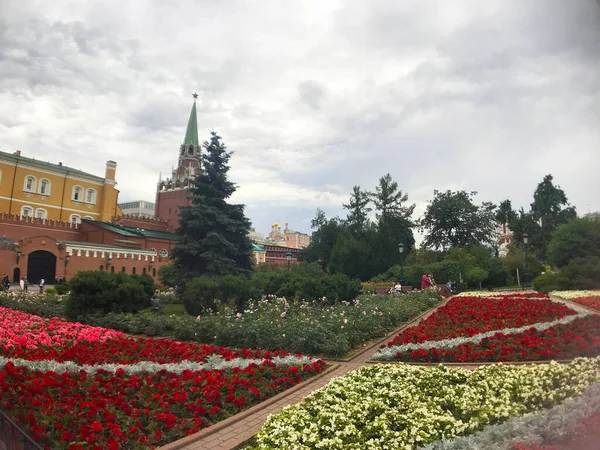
{"points": [[213, 233]]}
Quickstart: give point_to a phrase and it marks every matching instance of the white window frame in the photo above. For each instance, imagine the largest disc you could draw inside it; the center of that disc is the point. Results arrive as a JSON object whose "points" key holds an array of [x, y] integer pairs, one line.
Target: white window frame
{"points": [[48, 186], [82, 193], [90, 199], [27, 211], [0, 176], [75, 219], [33, 183], [44, 213]]}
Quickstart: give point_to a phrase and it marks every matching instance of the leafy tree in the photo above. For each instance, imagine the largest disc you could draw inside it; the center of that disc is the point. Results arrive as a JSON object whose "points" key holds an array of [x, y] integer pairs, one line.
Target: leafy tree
{"points": [[550, 208], [323, 239], [453, 220], [213, 233], [579, 238], [476, 276], [505, 213], [358, 210], [389, 201]]}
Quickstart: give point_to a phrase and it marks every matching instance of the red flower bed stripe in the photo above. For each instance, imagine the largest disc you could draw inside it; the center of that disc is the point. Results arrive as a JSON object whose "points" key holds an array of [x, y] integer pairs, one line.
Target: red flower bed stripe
{"points": [[468, 316], [579, 338], [590, 302], [115, 411]]}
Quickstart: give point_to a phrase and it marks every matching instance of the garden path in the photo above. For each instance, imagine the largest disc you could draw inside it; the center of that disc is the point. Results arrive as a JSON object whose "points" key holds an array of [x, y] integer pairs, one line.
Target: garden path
{"points": [[237, 429]]}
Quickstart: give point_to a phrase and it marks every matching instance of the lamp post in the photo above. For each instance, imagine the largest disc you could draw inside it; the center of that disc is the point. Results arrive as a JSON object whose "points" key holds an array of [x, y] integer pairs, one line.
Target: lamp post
{"points": [[288, 256], [401, 251], [526, 272]]}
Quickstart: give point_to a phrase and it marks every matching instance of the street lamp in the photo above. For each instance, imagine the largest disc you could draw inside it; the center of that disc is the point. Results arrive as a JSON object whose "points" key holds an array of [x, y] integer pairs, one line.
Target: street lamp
{"points": [[288, 256], [401, 251], [526, 273]]}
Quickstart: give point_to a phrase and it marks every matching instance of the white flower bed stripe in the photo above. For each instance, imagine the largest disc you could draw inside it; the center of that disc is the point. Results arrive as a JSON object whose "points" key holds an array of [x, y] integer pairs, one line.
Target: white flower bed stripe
{"points": [[389, 353], [538, 427], [568, 295], [214, 362]]}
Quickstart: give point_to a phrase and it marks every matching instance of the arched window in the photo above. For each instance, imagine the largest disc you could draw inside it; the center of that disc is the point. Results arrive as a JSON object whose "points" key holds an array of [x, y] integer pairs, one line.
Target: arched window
{"points": [[26, 211], [90, 196], [77, 194], [44, 186], [153, 272], [112, 269], [144, 270], [133, 271], [30, 183], [88, 217], [123, 269], [41, 213], [75, 219], [101, 268]]}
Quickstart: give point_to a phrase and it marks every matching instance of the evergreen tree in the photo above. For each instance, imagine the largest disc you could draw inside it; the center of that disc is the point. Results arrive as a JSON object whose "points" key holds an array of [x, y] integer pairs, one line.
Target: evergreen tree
{"points": [[358, 210], [389, 200], [213, 233]]}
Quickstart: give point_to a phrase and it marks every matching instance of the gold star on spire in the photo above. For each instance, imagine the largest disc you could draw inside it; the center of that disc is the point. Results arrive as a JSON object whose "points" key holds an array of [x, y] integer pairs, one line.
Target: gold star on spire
{"points": [[195, 96]]}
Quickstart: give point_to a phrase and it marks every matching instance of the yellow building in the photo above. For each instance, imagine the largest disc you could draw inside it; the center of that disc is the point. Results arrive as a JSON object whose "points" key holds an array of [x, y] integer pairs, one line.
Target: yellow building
{"points": [[33, 188]]}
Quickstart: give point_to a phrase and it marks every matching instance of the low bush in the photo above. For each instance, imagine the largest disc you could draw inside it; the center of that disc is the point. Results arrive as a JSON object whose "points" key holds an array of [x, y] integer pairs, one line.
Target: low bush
{"points": [[584, 273], [46, 305], [552, 281], [62, 288], [50, 291], [96, 292]]}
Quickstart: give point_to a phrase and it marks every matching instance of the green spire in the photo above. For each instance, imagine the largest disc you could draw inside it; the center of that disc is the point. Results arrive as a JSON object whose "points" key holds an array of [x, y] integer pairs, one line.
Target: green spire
{"points": [[191, 134]]}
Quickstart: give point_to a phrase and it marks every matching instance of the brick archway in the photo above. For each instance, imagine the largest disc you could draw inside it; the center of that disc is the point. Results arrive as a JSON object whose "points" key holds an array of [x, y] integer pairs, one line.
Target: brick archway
{"points": [[41, 264]]}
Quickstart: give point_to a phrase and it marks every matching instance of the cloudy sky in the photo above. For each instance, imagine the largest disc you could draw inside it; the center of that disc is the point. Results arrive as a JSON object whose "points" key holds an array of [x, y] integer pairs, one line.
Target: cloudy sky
{"points": [[312, 96]]}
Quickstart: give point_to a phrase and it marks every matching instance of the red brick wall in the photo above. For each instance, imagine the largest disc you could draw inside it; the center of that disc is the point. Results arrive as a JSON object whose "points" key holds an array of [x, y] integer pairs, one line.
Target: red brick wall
{"points": [[15, 227], [75, 263], [168, 204]]}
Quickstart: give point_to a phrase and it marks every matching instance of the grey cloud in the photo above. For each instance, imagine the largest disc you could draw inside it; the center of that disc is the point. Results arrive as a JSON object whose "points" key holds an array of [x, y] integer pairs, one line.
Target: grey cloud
{"points": [[311, 94]]}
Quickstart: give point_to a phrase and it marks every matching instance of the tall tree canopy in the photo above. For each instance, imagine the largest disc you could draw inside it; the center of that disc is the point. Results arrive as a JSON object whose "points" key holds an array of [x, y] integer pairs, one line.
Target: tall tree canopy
{"points": [[453, 220], [550, 208], [213, 233], [358, 210], [389, 201]]}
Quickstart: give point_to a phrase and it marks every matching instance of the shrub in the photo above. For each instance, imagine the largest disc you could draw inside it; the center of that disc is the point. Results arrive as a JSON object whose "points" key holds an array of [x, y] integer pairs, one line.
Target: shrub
{"points": [[552, 281], [62, 288], [43, 306], [147, 283], [166, 275], [50, 291], [476, 276], [204, 293], [584, 273], [98, 292]]}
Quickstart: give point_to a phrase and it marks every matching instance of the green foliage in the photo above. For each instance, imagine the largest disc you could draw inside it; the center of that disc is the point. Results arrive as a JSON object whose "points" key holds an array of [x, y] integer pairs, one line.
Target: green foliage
{"points": [[476, 276], [62, 288], [96, 292], [44, 306], [166, 275], [213, 233], [453, 220], [552, 281], [147, 283], [584, 273], [515, 260], [50, 292], [579, 238], [204, 293], [442, 271], [358, 211]]}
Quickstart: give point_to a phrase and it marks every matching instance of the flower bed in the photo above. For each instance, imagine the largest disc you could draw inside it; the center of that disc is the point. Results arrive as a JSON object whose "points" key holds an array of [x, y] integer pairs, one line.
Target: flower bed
{"points": [[468, 316], [496, 329], [400, 406], [73, 386], [591, 299], [316, 327]]}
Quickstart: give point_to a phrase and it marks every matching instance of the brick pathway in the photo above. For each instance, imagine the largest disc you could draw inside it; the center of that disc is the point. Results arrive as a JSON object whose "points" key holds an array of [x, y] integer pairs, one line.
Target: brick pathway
{"points": [[237, 429]]}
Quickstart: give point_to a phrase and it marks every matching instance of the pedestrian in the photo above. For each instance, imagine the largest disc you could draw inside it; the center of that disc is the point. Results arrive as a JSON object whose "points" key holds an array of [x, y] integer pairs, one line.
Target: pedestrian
{"points": [[22, 284], [398, 288], [424, 281], [6, 282], [41, 285], [25, 285]]}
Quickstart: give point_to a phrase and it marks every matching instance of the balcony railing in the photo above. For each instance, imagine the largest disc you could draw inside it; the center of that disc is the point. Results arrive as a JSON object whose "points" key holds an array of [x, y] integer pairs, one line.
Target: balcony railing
{"points": [[12, 437]]}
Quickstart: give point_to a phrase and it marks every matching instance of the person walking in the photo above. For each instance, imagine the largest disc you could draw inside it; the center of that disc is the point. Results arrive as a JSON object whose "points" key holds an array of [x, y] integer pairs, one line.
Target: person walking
{"points": [[25, 285], [6, 283], [41, 285], [22, 284], [424, 281]]}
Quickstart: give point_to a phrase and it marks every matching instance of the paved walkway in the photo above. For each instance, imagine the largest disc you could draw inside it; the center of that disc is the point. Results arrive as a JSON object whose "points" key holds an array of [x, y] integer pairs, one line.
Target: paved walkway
{"points": [[237, 429]]}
